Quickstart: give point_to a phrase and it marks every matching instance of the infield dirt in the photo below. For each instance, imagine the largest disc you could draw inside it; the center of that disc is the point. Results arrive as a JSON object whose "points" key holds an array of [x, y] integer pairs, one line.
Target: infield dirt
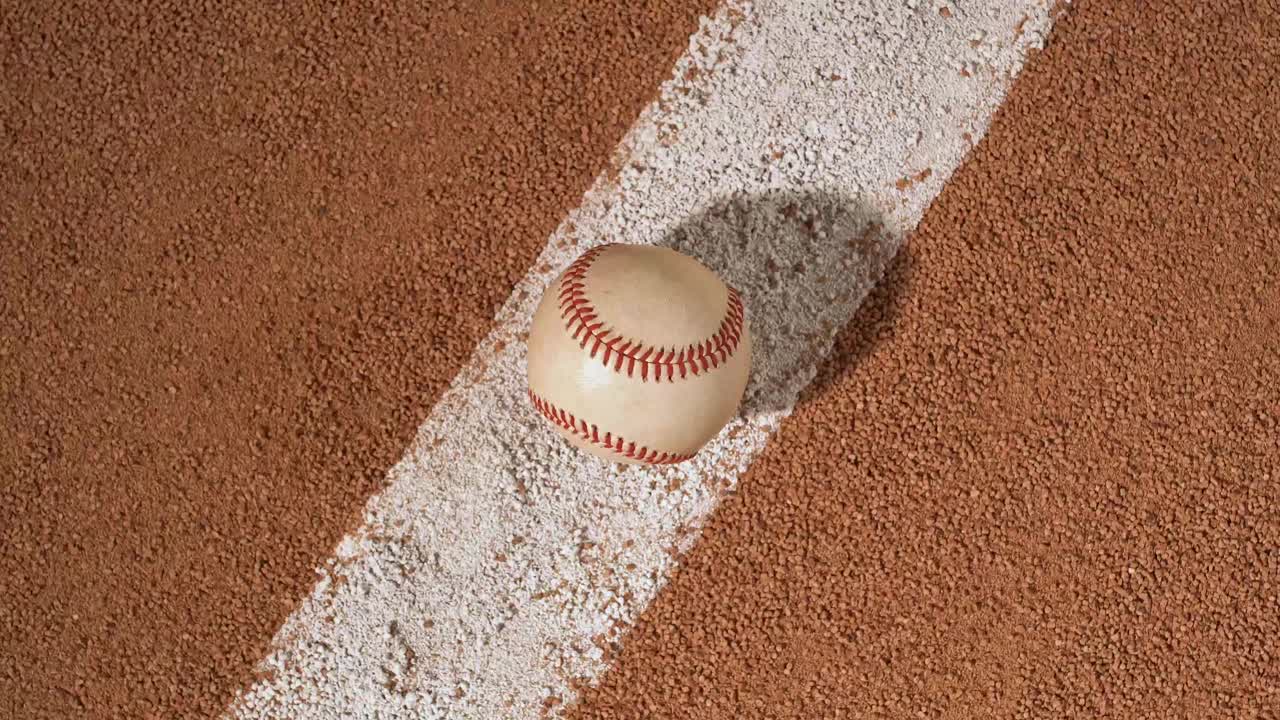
{"points": [[1039, 476], [245, 251]]}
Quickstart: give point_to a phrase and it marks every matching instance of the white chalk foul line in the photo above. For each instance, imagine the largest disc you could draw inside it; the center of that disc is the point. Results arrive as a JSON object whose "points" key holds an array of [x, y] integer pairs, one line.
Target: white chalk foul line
{"points": [[490, 574]]}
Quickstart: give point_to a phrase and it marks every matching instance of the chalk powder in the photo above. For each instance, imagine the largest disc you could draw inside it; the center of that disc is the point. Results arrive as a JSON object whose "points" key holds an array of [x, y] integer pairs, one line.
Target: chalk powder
{"points": [[498, 565]]}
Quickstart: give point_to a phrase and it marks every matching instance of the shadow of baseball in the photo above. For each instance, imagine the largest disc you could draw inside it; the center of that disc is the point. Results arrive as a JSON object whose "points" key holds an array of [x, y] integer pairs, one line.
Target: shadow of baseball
{"points": [[803, 262]]}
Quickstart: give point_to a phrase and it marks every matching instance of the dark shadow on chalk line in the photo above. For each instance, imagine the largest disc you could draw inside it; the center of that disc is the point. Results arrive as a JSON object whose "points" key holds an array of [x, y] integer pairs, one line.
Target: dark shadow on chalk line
{"points": [[790, 253]]}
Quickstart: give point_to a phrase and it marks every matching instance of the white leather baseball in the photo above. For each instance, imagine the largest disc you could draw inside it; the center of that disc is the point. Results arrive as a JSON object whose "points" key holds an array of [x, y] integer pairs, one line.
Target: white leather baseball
{"points": [[638, 354]]}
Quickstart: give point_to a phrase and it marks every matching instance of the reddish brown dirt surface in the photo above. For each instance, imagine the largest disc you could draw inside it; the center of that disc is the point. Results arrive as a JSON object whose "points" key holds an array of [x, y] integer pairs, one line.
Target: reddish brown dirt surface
{"points": [[1040, 476], [244, 250]]}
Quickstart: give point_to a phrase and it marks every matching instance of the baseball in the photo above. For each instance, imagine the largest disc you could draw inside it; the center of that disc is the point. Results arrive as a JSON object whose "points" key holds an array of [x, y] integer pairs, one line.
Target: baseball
{"points": [[638, 354]]}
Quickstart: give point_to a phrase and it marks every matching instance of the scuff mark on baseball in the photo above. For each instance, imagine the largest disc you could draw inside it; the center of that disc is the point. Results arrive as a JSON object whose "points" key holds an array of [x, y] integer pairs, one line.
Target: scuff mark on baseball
{"points": [[638, 354]]}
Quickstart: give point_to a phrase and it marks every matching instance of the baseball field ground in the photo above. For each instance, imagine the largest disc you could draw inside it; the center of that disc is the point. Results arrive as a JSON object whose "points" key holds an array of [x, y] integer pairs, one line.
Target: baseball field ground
{"points": [[1009, 446]]}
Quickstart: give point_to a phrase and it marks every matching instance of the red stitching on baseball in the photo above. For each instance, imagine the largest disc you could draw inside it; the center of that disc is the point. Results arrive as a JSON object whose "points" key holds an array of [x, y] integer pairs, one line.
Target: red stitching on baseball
{"points": [[591, 433], [581, 319]]}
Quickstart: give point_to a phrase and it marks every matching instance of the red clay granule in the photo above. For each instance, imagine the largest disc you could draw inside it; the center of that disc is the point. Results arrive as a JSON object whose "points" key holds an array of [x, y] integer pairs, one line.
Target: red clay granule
{"points": [[244, 250], [1040, 476]]}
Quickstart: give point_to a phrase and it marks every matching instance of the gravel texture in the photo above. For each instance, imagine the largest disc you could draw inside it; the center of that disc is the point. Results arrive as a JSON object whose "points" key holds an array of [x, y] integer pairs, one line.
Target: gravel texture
{"points": [[245, 249], [1038, 477], [494, 574]]}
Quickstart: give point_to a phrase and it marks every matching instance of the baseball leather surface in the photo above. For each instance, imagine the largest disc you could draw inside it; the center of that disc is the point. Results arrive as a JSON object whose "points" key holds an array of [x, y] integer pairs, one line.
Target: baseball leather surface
{"points": [[638, 354]]}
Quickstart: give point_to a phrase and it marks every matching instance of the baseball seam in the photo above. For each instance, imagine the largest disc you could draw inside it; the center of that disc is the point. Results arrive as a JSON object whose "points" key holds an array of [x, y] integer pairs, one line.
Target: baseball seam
{"points": [[583, 322], [591, 433]]}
